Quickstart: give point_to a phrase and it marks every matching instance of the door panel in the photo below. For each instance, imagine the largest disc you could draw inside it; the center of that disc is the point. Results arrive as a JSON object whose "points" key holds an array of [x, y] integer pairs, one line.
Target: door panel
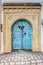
{"points": [[22, 35], [27, 36], [16, 37]]}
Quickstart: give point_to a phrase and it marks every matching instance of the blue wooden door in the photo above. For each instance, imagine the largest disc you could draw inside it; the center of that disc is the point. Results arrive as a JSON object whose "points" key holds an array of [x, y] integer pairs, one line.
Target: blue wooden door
{"points": [[22, 35]]}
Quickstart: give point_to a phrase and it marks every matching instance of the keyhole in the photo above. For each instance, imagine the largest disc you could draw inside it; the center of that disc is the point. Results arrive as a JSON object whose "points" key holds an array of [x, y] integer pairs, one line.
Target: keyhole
{"points": [[24, 33]]}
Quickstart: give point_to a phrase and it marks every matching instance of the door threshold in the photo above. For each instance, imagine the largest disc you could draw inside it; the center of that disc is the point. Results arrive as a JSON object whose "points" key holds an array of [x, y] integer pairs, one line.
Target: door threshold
{"points": [[19, 50]]}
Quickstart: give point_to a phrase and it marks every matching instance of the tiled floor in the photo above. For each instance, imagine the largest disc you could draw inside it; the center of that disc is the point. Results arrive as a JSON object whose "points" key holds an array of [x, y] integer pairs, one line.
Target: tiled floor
{"points": [[21, 57]]}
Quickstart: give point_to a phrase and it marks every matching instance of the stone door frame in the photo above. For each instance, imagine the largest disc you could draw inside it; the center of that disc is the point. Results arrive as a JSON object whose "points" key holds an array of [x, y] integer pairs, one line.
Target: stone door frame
{"points": [[11, 15]]}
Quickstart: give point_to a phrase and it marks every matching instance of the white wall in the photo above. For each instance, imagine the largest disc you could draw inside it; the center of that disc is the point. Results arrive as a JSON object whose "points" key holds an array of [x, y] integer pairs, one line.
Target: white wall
{"points": [[21, 1], [41, 38]]}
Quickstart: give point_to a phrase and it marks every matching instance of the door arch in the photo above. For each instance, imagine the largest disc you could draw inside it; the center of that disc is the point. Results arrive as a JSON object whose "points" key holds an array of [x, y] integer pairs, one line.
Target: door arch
{"points": [[22, 35]]}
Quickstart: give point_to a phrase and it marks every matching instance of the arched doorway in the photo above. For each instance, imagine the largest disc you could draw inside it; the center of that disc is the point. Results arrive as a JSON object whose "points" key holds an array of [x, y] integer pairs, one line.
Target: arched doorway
{"points": [[22, 35]]}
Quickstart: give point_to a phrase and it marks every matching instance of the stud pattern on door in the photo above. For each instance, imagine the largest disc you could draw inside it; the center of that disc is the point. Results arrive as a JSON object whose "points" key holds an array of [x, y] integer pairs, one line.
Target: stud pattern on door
{"points": [[22, 35]]}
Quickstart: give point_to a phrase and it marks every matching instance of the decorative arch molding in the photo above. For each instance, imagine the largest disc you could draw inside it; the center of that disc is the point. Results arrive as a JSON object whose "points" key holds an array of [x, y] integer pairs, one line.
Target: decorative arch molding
{"points": [[10, 18]]}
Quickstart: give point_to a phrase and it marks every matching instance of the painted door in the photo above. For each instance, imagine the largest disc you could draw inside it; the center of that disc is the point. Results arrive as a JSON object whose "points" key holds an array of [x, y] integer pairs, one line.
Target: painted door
{"points": [[22, 35]]}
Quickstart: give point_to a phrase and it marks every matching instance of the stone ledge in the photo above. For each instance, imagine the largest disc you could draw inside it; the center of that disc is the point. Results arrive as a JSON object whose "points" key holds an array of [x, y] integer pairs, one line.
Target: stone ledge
{"points": [[21, 4]]}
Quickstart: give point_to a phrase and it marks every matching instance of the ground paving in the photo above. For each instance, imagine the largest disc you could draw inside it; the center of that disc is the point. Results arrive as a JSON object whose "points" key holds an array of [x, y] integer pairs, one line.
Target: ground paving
{"points": [[21, 57]]}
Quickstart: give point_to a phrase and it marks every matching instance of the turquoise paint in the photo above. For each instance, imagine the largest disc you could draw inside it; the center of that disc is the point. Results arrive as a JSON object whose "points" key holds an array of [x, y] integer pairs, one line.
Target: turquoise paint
{"points": [[22, 35]]}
